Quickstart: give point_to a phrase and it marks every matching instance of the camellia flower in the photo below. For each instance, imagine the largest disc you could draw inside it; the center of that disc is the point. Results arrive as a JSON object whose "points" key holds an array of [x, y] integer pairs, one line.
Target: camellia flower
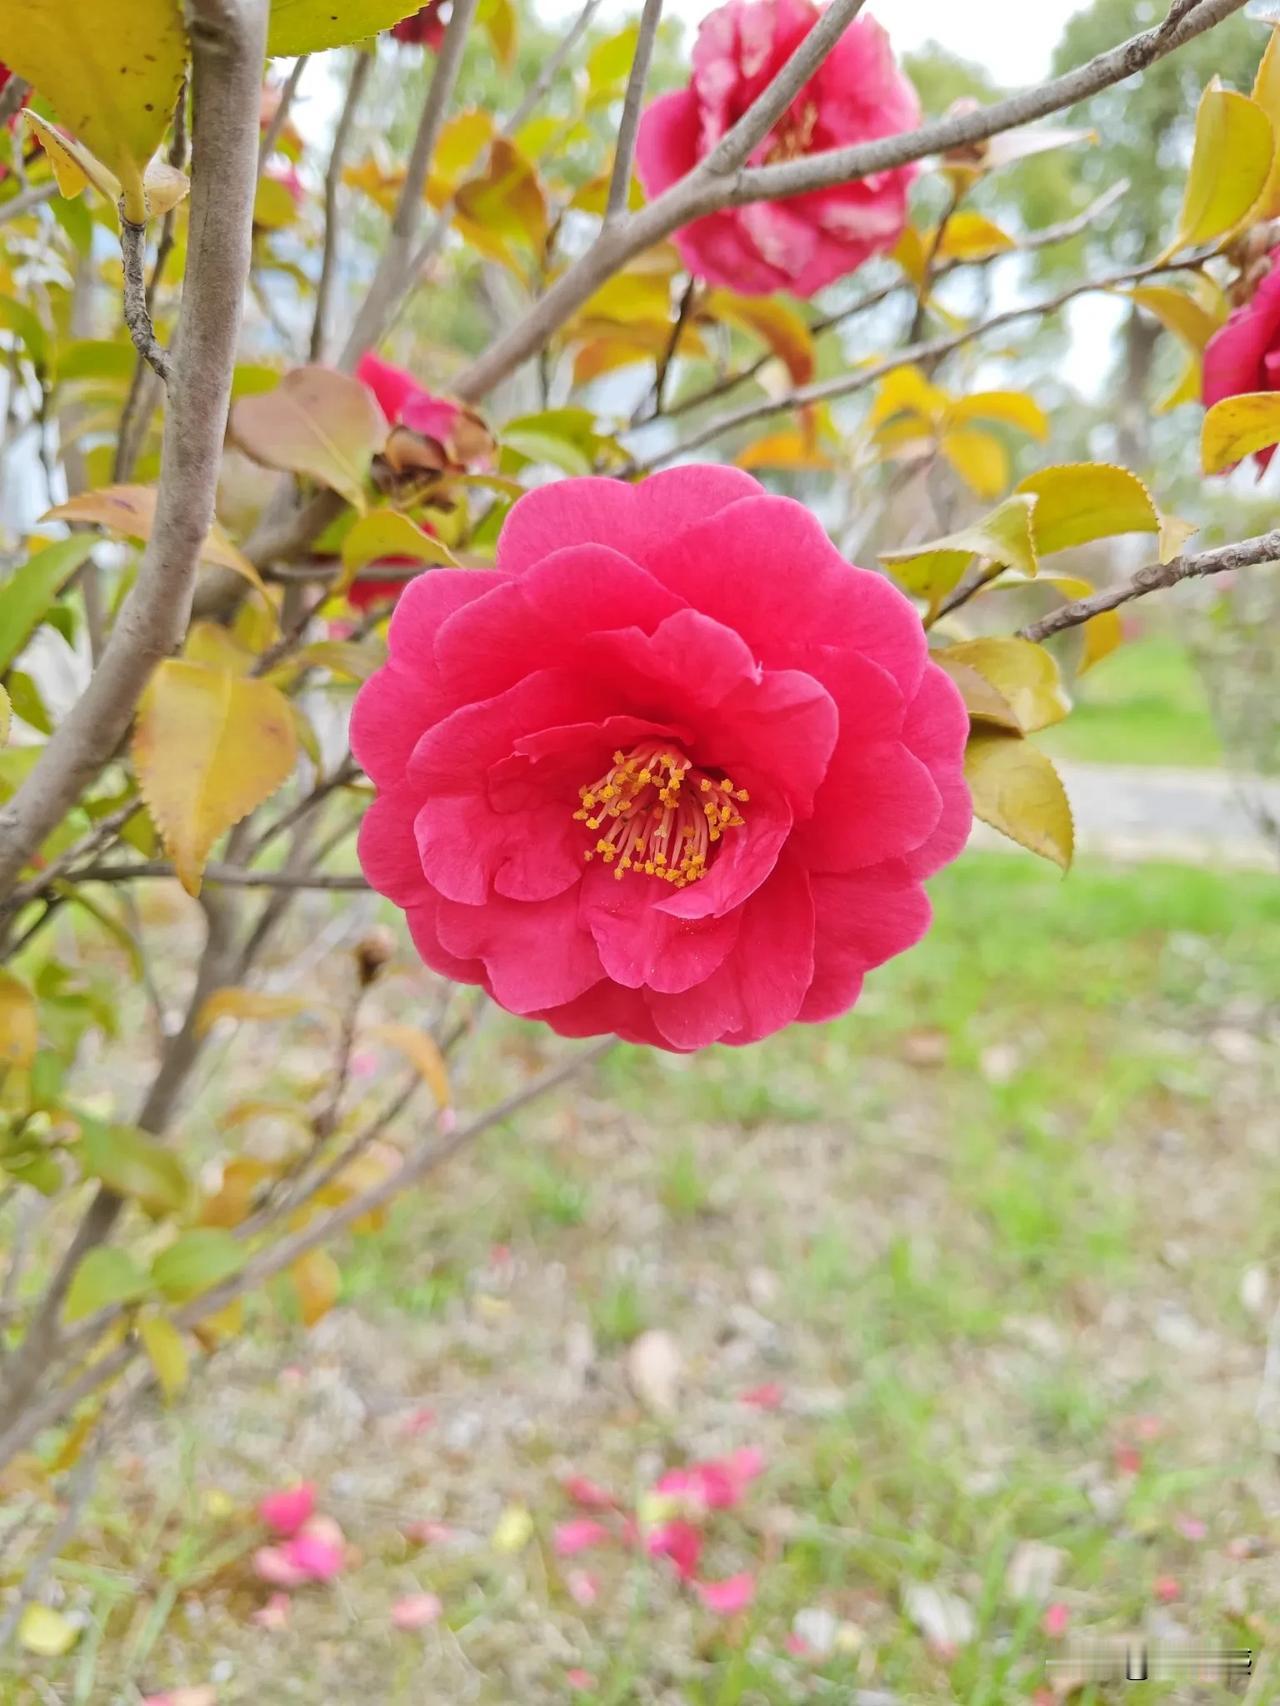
{"points": [[856, 95], [1244, 355], [424, 28], [430, 435], [286, 1511], [674, 769]]}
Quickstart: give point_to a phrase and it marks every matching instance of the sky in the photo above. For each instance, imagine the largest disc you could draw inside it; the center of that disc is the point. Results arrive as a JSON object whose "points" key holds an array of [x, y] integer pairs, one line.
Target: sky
{"points": [[1012, 38]]}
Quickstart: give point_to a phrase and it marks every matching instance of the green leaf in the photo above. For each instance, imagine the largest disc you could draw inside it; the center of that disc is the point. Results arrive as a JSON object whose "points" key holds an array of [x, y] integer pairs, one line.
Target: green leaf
{"points": [[1230, 165], [167, 1354], [1238, 426], [1017, 791], [309, 26], [1078, 502], [316, 422], [197, 1261], [1004, 536], [387, 533], [609, 62], [29, 591], [1024, 675], [134, 1165], [25, 702], [6, 716], [107, 1275], [17, 318]]}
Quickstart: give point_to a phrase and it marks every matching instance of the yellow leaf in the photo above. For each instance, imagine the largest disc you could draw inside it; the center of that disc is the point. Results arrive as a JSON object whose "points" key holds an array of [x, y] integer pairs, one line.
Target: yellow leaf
{"points": [[1004, 536], [498, 19], [1014, 408], [1025, 676], [909, 252], [979, 458], [1078, 502], [1238, 426], [208, 747], [983, 702], [1178, 311], [387, 533], [422, 1052], [514, 1530], [111, 70], [969, 236], [461, 142], [248, 1004], [309, 26], [46, 1632], [906, 390], [168, 1355], [770, 318], [1017, 791], [237, 1192], [1230, 164], [19, 1026], [1266, 92], [1189, 388], [790, 449], [131, 511], [506, 199], [318, 1281], [317, 422], [74, 167]]}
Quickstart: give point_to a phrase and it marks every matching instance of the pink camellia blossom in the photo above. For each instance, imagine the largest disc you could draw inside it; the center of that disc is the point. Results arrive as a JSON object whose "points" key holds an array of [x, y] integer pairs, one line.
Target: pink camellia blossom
{"points": [[673, 770], [316, 1553], [416, 1611], [729, 1596], [856, 95], [285, 1512], [588, 1493], [424, 28], [1244, 355]]}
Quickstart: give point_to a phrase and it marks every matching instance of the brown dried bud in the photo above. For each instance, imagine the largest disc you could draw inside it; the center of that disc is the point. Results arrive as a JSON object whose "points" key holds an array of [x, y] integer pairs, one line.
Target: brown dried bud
{"points": [[372, 953]]}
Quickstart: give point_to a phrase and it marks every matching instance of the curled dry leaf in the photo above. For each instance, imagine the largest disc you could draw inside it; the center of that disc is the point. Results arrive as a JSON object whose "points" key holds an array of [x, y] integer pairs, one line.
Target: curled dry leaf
{"points": [[316, 422]]}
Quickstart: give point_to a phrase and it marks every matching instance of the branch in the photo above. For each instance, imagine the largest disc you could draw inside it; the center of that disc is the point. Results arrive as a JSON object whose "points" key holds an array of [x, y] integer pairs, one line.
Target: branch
{"points": [[395, 275], [228, 44], [933, 350], [705, 190], [271, 135], [137, 311], [233, 876], [273, 1260], [332, 182], [624, 154], [12, 96], [26, 200], [1246, 554], [551, 67]]}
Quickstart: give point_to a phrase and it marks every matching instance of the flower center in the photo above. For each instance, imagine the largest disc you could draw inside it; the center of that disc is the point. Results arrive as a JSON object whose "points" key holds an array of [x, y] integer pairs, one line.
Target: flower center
{"points": [[793, 134], [659, 814]]}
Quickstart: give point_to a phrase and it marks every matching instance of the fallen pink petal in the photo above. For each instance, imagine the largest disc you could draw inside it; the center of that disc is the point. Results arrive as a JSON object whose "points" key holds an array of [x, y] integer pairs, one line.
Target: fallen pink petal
{"points": [[579, 1535], [588, 1493], [732, 1595], [1055, 1620], [584, 1588], [416, 1611], [285, 1512], [580, 1680], [680, 1543], [770, 1396], [275, 1614]]}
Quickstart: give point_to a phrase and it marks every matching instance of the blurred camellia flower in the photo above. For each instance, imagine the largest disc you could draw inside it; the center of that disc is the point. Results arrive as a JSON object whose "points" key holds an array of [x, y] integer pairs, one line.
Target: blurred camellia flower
{"points": [[1244, 355], [856, 95], [316, 1553], [285, 1512], [673, 770], [424, 28]]}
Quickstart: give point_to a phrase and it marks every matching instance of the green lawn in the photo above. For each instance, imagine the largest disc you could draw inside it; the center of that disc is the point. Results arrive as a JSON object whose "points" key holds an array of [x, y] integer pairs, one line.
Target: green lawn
{"points": [[1145, 704], [988, 1237]]}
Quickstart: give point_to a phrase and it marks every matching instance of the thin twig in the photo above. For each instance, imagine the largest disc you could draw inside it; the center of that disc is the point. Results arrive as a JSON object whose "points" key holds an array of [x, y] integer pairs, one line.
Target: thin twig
{"points": [[551, 68], [1247, 553], [79, 1487], [275, 128], [629, 124], [332, 184], [12, 96], [933, 350], [137, 314], [233, 876], [26, 201]]}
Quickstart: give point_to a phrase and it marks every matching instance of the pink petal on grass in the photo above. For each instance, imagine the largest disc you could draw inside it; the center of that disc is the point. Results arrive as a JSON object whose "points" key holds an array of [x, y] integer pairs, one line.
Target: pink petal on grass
{"points": [[580, 1680], [680, 1543], [416, 1611], [732, 1595], [589, 1494], [576, 1536], [274, 1615], [1191, 1528], [1055, 1620], [272, 1564], [427, 1533], [284, 1512], [584, 1588], [417, 1422], [770, 1396], [205, 1695], [1167, 1589]]}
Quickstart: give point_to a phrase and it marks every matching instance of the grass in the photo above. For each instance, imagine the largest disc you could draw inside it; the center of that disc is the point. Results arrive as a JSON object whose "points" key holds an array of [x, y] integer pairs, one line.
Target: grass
{"points": [[1145, 704], [987, 1236]]}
